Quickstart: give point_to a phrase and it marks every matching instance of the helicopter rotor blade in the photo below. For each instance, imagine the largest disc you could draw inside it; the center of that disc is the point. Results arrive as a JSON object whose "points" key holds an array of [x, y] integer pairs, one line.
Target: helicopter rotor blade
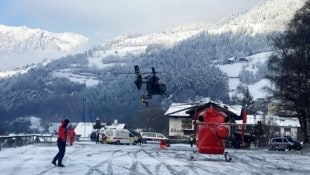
{"points": [[150, 109]]}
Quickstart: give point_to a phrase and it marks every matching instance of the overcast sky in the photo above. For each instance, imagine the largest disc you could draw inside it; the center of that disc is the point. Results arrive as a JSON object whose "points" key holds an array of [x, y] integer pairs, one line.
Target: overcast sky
{"points": [[104, 19]]}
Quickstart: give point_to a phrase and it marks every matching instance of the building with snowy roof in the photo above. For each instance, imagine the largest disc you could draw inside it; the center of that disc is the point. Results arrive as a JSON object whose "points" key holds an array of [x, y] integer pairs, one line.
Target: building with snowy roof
{"points": [[180, 123], [181, 120], [278, 126]]}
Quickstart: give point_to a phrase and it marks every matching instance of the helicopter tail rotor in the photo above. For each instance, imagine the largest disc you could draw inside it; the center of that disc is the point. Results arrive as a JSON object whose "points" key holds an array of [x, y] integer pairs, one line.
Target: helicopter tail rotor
{"points": [[138, 82]]}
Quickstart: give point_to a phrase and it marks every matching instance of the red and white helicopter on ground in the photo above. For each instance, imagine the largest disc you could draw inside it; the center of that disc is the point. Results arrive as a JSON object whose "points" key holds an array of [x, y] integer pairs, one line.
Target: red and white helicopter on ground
{"points": [[210, 127]]}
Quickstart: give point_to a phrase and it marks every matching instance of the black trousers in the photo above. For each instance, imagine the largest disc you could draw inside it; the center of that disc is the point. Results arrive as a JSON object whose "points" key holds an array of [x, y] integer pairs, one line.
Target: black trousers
{"points": [[62, 149]]}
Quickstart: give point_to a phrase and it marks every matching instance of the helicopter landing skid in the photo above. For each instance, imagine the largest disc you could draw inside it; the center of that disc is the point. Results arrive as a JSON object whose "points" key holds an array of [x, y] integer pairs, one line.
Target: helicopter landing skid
{"points": [[194, 154], [227, 157]]}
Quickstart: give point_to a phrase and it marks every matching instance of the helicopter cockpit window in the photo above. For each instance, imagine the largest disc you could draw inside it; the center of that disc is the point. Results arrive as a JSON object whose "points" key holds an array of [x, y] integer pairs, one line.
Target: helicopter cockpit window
{"points": [[200, 118]]}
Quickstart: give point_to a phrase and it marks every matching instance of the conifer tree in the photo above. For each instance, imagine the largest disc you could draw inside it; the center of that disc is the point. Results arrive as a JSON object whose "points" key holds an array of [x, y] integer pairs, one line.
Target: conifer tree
{"points": [[290, 70], [247, 100]]}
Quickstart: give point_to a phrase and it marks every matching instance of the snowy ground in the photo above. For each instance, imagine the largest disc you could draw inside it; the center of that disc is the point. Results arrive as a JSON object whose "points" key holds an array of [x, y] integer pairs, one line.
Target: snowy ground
{"points": [[89, 158]]}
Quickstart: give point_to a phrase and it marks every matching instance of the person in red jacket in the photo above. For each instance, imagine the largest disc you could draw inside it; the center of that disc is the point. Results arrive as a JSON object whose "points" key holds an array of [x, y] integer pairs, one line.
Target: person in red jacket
{"points": [[71, 135], [61, 143]]}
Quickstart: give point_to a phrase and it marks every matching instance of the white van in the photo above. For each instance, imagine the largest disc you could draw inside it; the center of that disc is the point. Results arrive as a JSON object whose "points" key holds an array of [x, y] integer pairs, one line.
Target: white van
{"points": [[152, 137], [119, 136]]}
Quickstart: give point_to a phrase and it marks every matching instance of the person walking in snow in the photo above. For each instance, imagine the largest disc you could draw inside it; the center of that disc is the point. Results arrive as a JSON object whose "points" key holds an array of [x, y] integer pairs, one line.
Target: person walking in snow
{"points": [[71, 135], [61, 143]]}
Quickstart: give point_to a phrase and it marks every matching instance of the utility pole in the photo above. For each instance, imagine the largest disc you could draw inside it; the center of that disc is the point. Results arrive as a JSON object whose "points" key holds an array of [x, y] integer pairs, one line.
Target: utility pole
{"points": [[93, 118], [85, 112]]}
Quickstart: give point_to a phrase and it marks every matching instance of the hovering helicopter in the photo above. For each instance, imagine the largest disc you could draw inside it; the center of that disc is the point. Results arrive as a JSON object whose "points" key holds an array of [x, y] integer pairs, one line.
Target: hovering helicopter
{"points": [[153, 85], [210, 122]]}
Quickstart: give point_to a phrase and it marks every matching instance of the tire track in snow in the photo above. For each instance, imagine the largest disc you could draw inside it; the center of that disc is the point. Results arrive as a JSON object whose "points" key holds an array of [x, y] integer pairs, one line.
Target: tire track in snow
{"points": [[108, 161], [134, 169], [46, 170], [91, 169], [147, 169], [160, 154], [78, 149], [138, 162], [150, 153], [169, 169], [184, 157]]}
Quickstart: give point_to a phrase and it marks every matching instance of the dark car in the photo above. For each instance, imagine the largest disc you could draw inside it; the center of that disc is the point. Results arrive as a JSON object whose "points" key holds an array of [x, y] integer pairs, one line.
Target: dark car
{"points": [[283, 143]]}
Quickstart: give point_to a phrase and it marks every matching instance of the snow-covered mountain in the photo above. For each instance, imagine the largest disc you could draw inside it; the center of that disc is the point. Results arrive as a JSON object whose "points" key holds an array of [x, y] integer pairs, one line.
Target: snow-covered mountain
{"points": [[267, 17], [138, 43], [21, 46], [24, 39]]}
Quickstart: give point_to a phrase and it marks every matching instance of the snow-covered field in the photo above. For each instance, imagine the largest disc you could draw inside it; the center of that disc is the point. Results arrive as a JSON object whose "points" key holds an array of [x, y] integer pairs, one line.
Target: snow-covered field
{"points": [[90, 158]]}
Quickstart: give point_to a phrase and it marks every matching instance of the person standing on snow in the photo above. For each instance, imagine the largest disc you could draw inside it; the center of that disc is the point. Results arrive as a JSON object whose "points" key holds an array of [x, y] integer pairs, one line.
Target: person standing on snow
{"points": [[104, 138], [97, 137], [71, 135], [191, 140], [61, 143]]}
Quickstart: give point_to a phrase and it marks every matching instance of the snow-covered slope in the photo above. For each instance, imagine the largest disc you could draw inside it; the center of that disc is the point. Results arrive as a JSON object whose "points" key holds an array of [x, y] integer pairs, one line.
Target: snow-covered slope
{"points": [[137, 43], [89, 80], [24, 39], [233, 71], [268, 16], [21, 46]]}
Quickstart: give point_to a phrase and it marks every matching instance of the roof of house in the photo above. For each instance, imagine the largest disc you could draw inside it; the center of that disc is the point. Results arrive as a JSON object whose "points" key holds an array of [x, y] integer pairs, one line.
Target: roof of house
{"points": [[116, 126], [178, 110], [84, 129], [185, 109], [271, 120]]}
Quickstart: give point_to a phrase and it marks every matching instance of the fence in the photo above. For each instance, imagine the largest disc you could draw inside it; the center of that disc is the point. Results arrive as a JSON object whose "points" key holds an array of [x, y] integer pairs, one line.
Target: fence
{"points": [[25, 139]]}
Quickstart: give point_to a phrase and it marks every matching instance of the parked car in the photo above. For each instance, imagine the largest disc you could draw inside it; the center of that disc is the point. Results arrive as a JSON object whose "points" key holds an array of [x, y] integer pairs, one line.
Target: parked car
{"points": [[283, 143], [152, 137]]}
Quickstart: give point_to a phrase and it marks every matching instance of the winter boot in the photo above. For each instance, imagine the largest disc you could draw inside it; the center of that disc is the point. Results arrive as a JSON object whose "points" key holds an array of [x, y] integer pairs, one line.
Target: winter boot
{"points": [[61, 165], [54, 162]]}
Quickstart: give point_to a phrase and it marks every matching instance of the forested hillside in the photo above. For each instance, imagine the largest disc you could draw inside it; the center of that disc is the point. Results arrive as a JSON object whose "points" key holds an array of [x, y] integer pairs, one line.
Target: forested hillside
{"points": [[56, 89], [186, 69]]}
